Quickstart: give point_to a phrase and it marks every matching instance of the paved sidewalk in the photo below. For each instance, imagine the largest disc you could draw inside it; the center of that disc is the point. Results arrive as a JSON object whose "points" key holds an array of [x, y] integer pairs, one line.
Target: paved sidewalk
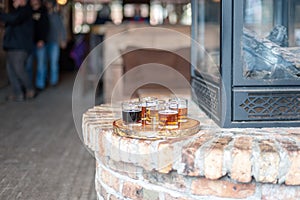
{"points": [[41, 155]]}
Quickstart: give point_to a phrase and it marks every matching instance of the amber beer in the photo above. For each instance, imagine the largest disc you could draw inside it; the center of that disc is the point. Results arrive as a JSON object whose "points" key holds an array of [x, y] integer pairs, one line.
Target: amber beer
{"points": [[182, 107], [144, 114], [168, 119], [153, 115], [146, 103], [182, 114], [151, 111]]}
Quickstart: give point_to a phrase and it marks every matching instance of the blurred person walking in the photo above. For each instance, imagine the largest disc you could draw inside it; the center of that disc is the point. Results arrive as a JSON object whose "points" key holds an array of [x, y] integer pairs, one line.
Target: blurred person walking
{"points": [[57, 37], [41, 28], [18, 42]]}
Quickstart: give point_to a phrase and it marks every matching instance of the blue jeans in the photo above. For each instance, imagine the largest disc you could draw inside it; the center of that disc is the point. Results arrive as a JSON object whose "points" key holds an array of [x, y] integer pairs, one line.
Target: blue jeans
{"points": [[53, 51], [40, 55]]}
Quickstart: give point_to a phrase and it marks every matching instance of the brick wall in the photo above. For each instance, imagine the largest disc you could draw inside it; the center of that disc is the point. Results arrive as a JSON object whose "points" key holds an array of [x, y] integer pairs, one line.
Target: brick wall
{"points": [[213, 164]]}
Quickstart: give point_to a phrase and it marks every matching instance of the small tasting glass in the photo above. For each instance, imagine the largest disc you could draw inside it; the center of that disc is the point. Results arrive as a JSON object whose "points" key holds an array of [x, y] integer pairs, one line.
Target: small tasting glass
{"points": [[168, 117], [182, 107], [131, 113], [143, 105]]}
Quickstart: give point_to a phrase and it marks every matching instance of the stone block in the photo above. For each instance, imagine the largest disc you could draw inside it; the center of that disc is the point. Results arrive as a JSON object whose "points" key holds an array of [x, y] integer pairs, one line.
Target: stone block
{"points": [[292, 149], [188, 158], [127, 149], [106, 143], [213, 158], [100, 190], [213, 162], [100, 144], [189, 155], [126, 169], [271, 192], [222, 188], [132, 190], [115, 148], [165, 157], [110, 180], [267, 164], [171, 180], [293, 175], [150, 195], [241, 160], [145, 152], [113, 197]]}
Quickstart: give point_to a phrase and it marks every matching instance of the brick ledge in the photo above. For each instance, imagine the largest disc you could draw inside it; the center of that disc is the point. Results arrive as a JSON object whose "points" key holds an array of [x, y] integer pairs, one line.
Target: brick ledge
{"points": [[268, 155]]}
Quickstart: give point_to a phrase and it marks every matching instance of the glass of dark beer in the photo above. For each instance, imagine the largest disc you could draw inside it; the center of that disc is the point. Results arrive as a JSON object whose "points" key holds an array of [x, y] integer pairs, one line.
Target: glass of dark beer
{"points": [[131, 113]]}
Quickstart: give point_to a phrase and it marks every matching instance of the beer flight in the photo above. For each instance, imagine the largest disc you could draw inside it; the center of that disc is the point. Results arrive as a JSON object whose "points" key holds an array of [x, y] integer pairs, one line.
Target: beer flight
{"points": [[156, 112]]}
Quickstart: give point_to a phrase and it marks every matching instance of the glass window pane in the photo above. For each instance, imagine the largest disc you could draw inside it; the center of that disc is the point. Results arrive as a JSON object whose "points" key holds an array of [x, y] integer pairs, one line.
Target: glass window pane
{"points": [[294, 29], [258, 16], [270, 38], [208, 38]]}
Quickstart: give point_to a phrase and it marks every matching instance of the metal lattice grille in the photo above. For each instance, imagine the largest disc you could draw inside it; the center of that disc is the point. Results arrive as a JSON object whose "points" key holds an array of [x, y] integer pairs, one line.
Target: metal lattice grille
{"points": [[206, 96], [271, 106]]}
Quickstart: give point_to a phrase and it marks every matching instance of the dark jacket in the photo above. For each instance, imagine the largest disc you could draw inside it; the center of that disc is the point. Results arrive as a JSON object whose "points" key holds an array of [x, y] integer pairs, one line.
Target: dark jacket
{"points": [[57, 32], [41, 24], [18, 29]]}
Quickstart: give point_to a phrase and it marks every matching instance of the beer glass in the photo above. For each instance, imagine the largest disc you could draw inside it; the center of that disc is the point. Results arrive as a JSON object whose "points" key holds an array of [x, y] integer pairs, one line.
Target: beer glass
{"points": [[168, 117], [143, 105], [154, 109], [182, 107], [131, 113]]}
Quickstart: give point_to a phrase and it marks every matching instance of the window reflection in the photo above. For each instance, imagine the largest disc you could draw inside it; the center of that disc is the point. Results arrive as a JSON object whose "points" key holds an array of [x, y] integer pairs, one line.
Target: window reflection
{"points": [[156, 13], [208, 38], [270, 39], [258, 15]]}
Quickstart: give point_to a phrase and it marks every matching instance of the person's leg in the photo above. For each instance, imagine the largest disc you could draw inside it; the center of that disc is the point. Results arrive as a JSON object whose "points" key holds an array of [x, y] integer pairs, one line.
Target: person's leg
{"points": [[53, 53], [29, 66], [41, 68], [21, 72], [12, 62]]}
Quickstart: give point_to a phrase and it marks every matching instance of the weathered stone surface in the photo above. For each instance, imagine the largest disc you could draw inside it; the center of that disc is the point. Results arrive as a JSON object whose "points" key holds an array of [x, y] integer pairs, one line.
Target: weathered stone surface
{"points": [[165, 158], [100, 190], [171, 180], [213, 163], [241, 160], [213, 158], [271, 192], [110, 180], [150, 195], [221, 188], [132, 190], [115, 148], [126, 169], [170, 197], [189, 154], [145, 150], [270, 155], [267, 164], [113, 197], [293, 175]]}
